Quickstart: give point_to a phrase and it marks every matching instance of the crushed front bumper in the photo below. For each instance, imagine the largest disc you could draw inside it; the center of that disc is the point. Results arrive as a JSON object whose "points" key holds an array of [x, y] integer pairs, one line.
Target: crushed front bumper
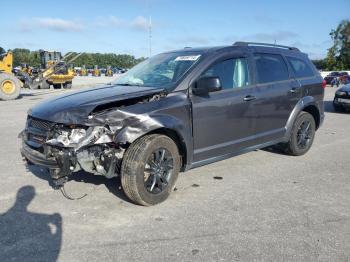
{"points": [[37, 158]]}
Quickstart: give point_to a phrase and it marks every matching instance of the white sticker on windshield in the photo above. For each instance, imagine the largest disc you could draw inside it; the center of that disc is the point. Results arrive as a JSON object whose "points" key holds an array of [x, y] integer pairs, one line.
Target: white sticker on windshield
{"points": [[187, 58]]}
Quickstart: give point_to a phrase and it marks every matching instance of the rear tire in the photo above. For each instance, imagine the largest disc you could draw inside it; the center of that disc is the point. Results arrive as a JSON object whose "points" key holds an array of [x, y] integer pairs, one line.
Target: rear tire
{"points": [[67, 85], [149, 184], [302, 136], [10, 86]]}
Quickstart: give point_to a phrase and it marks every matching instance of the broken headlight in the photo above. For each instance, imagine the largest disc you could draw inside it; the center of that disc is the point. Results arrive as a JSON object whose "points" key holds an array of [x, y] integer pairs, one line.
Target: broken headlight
{"points": [[80, 137], [66, 137]]}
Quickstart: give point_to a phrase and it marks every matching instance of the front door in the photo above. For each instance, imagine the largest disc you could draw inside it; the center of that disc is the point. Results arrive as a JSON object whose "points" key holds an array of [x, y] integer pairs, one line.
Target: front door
{"points": [[223, 120]]}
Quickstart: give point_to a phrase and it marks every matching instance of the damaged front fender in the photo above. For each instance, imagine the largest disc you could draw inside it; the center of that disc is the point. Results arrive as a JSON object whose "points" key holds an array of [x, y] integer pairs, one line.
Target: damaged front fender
{"points": [[171, 112]]}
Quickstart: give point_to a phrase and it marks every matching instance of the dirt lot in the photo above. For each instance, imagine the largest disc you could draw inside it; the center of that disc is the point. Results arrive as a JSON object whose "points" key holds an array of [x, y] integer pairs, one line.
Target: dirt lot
{"points": [[263, 206]]}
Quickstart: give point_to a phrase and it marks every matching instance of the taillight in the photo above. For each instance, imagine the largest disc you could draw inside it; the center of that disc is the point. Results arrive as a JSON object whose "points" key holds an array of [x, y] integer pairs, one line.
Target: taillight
{"points": [[324, 83]]}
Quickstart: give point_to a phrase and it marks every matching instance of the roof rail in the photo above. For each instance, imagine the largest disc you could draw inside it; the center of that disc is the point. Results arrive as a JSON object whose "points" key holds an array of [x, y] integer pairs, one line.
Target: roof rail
{"points": [[265, 44]]}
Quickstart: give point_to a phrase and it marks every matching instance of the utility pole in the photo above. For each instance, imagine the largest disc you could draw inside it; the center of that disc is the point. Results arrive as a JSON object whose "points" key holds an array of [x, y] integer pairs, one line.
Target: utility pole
{"points": [[150, 35]]}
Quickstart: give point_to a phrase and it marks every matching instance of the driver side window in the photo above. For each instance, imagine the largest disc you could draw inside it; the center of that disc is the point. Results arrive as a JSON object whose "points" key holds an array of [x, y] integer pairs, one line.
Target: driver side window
{"points": [[233, 73]]}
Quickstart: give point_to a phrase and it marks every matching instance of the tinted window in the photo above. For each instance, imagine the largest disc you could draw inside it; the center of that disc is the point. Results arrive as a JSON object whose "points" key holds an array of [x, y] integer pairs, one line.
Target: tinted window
{"points": [[233, 73], [300, 68], [271, 68]]}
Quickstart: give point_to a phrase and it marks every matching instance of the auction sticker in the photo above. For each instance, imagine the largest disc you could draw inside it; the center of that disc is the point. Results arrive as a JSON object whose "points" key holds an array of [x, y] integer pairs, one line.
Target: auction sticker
{"points": [[187, 58]]}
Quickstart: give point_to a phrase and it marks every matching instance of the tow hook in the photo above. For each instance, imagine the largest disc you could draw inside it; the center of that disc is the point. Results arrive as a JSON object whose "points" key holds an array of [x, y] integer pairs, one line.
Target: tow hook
{"points": [[58, 180], [58, 183]]}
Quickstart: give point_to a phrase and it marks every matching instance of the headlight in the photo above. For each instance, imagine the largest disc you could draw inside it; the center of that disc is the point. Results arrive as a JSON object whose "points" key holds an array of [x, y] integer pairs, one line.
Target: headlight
{"points": [[67, 137], [341, 93], [80, 137]]}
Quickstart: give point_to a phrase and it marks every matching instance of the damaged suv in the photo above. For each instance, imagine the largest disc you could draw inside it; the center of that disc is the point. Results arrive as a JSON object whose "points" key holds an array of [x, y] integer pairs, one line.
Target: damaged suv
{"points": [[176, 111]]}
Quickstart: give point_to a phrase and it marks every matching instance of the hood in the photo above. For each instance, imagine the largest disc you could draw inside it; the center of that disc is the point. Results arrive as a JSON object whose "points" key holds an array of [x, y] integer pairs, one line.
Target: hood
{"points": [[74, 108], [345, 88]]}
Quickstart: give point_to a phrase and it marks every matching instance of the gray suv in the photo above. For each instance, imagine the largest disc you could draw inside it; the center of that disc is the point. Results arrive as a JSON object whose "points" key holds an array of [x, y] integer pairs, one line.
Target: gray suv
{"points": [[176, 111]]}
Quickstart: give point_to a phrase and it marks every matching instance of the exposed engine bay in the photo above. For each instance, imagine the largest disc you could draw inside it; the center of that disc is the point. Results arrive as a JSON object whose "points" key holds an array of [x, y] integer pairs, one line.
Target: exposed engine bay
{"points": [[91, 149]]}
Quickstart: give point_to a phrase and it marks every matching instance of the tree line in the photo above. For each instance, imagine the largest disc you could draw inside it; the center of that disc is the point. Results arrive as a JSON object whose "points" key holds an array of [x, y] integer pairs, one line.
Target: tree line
{"points": [[338, 55], [32, 58]]}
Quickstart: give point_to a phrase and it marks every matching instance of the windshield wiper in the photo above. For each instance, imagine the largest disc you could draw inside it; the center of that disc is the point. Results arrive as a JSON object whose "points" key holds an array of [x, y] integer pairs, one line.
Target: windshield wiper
{"points": [[128, 84]]}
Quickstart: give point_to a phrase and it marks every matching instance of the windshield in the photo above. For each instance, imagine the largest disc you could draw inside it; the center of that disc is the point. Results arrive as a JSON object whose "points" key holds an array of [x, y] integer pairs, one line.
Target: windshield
{"points": [[162, 70]]}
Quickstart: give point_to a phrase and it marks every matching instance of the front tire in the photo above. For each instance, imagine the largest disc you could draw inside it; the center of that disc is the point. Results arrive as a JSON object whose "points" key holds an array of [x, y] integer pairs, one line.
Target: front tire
{"points": [[302, 136], [10, 87], [150, 169]]}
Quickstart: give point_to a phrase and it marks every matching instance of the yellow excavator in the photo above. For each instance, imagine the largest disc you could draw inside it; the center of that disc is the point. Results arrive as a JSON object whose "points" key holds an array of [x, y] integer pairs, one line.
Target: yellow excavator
{"points": [[96, 71], [10, 85], [56, 71], [109, 71], [83, 71]]}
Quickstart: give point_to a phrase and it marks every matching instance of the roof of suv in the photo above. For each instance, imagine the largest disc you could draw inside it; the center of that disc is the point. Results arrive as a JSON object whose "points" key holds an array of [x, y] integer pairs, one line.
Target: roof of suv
{"points": [[258, 47]]}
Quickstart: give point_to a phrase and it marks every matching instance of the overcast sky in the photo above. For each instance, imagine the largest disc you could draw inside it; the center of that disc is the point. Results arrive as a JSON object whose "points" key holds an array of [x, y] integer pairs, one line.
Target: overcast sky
{"points": [[122, 26]]}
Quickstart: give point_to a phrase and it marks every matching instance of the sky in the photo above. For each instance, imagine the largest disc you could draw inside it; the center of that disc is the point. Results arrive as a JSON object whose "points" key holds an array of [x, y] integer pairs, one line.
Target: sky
{"points": [[123, 26]]}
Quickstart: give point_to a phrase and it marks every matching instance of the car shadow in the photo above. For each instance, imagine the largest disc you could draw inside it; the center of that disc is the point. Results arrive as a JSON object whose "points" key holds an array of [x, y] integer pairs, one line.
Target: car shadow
{"points": [[113, 184], [328, 107], [275, 149], [27, 235]]}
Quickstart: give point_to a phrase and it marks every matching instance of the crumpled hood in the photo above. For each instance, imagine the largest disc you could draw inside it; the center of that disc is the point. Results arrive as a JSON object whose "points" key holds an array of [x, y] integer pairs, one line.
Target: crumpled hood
{"points": [[74, 108]]}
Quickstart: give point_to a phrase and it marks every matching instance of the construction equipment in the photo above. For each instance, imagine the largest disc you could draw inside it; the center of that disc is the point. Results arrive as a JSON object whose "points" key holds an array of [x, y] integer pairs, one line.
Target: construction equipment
{"points": [[96, 71], [56, 71], [109, 71], [83, 71], [10, 85]]}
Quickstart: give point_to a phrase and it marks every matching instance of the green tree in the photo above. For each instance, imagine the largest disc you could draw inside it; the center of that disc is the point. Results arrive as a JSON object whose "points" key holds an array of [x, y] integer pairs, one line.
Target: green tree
{"points": [[320, 64], [338, 56], [32, 58], [21, 55]]}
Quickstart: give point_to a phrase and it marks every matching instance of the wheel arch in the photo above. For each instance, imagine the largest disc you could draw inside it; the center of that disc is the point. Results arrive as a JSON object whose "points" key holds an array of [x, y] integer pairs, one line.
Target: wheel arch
{"points": [[313, 110], [169, 126], [306, 104], [179, 141]]}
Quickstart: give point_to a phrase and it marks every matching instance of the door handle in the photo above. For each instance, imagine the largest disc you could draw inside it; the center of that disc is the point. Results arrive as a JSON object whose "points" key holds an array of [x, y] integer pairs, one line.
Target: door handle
{"points": [[293, 90], [249, 98]]}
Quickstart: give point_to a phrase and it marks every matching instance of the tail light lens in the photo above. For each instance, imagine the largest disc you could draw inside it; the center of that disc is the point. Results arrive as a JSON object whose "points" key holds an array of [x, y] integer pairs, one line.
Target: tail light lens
{"points": [[324, 84]]}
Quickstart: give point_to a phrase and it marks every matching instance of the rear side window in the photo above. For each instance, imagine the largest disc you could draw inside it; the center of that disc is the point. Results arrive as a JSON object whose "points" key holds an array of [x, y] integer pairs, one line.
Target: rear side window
{"points": [[300, 67], [271, 68], [233, 73]]}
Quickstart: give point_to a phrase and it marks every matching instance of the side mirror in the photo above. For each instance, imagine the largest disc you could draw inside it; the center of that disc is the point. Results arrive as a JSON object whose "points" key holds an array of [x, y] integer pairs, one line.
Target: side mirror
{"points": [[204, 85]]}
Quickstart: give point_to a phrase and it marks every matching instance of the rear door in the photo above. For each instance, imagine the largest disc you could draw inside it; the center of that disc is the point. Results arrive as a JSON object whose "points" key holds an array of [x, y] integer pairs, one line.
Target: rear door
{"points": [[277, 93], [223, 120]]}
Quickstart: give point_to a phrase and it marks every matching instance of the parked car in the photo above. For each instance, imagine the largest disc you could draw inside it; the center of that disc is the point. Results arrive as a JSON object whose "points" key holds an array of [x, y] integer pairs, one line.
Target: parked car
{"points": [[341, 100], [336, 78], [176, 111]]}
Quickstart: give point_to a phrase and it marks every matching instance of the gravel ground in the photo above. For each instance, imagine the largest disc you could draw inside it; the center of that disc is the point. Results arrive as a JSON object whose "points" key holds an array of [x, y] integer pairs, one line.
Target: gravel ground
{"points": [[261, 206]]}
